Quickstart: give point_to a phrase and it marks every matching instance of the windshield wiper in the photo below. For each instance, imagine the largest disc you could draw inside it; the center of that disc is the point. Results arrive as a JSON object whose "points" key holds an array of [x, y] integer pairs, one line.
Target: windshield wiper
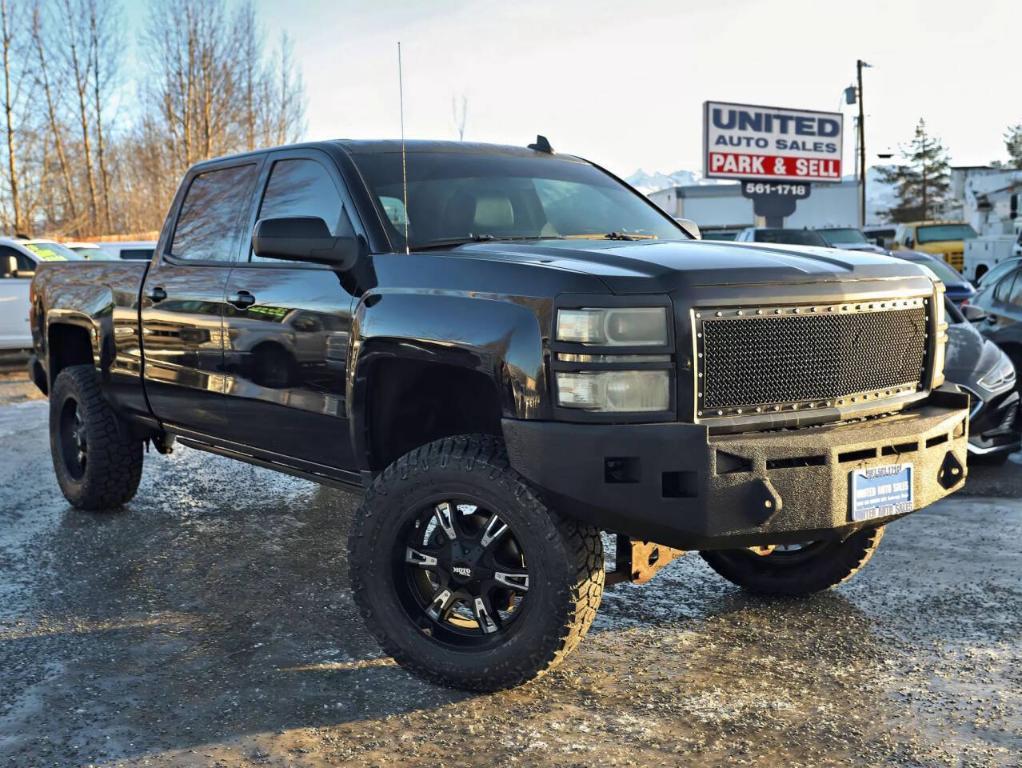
{"points": [[612, 236], [451, 242]]}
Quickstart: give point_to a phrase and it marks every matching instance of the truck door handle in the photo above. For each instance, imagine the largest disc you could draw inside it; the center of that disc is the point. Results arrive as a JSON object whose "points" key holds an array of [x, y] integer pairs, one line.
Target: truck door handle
{"points": [[156, 294], [242, 300]]}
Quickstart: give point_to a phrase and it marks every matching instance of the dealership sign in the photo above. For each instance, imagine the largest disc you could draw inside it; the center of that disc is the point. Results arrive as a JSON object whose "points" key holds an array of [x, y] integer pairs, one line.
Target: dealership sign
{"points": [[743, 141]]}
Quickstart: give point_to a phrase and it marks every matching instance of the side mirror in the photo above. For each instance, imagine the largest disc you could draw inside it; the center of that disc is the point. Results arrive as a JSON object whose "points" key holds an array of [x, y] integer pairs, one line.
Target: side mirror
{"points": [[304, 238], [691, 228], [10, 266], [974, 314], [910, 243]]}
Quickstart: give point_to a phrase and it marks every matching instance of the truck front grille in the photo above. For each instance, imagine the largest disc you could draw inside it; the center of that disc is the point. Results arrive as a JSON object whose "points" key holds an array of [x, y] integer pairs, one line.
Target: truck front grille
{"points": [[789, 358]]}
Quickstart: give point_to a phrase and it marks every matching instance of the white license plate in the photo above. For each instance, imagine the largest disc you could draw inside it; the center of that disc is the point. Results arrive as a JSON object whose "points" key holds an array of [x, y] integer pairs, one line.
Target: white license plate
{"points": [[881, 491]]}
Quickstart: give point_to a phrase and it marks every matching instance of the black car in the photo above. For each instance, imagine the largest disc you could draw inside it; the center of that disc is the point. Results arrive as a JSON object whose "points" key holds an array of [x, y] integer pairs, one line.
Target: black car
{"points": [[999, 306], [958, 288], [981, 367]]}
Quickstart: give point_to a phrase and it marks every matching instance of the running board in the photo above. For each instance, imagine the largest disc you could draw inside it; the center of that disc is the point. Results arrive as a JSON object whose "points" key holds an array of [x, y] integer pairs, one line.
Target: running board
{"points": [[355, 484]]}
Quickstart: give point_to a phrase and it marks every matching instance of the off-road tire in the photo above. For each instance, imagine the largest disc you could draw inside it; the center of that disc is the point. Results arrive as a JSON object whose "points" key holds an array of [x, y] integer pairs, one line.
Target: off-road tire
{"points": [[832, 564], [564, 559], [114, 465]]}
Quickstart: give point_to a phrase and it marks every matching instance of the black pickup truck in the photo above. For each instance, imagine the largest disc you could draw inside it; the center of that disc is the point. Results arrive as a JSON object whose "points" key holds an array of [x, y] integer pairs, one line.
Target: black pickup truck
{"points": [[512, 352]]}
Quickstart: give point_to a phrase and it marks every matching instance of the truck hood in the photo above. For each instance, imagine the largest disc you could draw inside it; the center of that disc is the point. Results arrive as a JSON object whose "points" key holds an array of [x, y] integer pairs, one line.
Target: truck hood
{"points": [[662, 265]]}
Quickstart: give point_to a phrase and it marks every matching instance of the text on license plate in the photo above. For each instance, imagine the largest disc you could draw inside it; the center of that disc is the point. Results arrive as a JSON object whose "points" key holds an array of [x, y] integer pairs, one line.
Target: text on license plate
{"points": [[881, 491]]}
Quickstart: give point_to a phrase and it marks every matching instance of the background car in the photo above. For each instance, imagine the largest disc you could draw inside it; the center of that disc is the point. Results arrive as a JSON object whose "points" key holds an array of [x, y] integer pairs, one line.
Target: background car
{"points": [[91, 251], [987, 373], [996, 310], [849, 239], [958, 288], [781, 236], [882, 236], [131, 250], [18, 261], [999, 271]]}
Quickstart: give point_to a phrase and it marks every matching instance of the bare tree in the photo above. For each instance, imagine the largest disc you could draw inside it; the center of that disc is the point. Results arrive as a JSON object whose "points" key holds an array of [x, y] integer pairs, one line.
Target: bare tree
{"points": [[71, 164], [102, 66], [56, 129], [7, 48]]}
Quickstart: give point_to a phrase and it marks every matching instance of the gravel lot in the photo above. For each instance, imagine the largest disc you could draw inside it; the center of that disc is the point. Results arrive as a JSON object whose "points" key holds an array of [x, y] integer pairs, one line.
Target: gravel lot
{"points": [[210, 624]]}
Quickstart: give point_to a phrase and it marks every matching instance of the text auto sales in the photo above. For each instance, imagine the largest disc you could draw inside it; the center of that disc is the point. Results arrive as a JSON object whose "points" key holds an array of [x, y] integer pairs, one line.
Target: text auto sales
{"points": [[749, 142]]}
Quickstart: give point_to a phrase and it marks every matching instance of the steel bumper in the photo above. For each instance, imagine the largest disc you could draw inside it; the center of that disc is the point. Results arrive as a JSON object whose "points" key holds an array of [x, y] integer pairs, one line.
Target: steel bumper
{"points": [[678, 485]]}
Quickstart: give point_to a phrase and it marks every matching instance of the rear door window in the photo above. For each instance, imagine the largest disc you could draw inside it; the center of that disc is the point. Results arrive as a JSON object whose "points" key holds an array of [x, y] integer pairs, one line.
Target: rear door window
{"points": [[209, 226]]}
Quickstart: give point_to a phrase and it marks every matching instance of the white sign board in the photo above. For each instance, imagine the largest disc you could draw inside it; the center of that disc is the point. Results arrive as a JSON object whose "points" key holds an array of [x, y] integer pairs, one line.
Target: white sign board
{"points": [[743, 141]]}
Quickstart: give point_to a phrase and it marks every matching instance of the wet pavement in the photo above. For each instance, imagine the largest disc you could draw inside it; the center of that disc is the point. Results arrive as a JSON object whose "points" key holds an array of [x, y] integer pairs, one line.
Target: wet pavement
{"points": [[210, 624]]}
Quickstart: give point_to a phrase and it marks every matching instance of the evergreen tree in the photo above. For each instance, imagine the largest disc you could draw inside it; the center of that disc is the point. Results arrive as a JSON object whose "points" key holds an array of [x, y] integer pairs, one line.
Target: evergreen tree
{"points": [[1013, 143], [922, 181]]}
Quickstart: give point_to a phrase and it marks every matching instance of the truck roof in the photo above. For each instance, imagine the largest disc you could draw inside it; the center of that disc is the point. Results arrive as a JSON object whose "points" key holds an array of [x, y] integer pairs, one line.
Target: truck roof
{"points": [[412, 146]]}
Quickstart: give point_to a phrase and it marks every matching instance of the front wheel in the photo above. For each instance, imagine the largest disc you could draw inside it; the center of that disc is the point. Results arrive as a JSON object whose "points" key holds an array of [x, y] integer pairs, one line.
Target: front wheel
{"points": [[795, 570], [464, 576]]}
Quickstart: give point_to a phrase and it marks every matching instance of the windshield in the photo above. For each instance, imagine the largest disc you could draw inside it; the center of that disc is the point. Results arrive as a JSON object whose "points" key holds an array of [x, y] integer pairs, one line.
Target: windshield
{"points": [[52, 252], [936, 233], [455, 196], [848, 236], [790, 237]]}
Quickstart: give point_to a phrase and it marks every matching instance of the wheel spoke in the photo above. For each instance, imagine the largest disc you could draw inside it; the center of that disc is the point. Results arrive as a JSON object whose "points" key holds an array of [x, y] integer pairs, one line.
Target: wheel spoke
{"points": [[421, 558], [443, 601], [445, 518], [512, 578], [493, 531], [486, 620]]}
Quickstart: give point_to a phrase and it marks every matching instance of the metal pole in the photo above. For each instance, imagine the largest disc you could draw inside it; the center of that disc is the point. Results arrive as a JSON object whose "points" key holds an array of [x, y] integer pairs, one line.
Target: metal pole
{"points": [[862, 148]]}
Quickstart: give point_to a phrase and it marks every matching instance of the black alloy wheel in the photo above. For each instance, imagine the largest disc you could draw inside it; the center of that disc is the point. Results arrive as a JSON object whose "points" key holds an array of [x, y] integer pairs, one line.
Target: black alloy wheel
{"points": [[464, 579]]}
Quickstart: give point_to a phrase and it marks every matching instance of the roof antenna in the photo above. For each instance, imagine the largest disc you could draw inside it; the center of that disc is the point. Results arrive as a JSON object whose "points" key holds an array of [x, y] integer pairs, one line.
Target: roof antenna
{"points": [[542, 145], [404, 157]]}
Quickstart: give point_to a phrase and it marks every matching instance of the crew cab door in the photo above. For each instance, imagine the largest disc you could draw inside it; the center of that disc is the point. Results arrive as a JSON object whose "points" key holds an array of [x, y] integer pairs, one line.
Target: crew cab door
{"points": [[287, 326], [16, 271], [182, 302]]}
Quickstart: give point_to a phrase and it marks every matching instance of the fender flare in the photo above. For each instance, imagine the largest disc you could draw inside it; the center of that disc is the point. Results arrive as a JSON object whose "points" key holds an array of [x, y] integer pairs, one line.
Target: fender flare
{"points": [[497, 338]]}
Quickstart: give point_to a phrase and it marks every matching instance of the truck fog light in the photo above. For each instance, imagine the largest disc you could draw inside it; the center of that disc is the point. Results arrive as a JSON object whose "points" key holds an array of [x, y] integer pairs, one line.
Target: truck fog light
{"points": [[615, 391]]}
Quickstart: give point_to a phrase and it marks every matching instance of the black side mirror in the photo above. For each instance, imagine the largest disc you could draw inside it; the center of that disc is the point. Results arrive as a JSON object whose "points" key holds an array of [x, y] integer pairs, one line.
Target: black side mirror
{"points": [[304, 238], [974, 314], [910, 243]]}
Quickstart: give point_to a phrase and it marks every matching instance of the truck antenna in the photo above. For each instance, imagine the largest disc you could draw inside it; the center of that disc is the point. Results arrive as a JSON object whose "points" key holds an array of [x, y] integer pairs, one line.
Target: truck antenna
{"points": [[404, 157]]}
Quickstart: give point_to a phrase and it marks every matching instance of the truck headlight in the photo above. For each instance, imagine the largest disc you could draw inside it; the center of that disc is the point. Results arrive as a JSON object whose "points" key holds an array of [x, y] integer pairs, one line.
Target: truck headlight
{"points": [[614, 327], [615, 391]]}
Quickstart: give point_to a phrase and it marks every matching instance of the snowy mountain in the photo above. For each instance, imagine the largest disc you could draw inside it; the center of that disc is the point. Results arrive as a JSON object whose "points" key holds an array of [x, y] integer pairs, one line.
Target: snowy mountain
{"points": [[651, 182]]}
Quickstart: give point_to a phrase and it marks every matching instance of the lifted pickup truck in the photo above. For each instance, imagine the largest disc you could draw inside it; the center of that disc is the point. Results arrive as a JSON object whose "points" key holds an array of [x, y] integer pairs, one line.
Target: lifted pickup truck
{"points": [[511, 352]]}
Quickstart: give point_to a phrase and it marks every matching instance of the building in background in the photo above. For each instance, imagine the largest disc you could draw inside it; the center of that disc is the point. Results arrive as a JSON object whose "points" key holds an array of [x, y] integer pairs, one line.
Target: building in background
{"points": [[716, 207]]}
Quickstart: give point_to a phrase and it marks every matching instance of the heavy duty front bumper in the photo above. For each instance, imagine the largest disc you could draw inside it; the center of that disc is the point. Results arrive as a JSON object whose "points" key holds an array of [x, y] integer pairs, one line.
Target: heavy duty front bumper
{"points": [[678, 485]]}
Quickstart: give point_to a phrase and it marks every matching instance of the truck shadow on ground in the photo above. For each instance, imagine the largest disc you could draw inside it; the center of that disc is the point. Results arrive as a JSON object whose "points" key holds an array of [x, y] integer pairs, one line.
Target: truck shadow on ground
{"points": [[227, 613]]}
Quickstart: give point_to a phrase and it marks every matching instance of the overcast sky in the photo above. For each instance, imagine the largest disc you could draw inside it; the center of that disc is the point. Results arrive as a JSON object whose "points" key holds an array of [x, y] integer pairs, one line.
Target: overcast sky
{"points": [[622, 83]]}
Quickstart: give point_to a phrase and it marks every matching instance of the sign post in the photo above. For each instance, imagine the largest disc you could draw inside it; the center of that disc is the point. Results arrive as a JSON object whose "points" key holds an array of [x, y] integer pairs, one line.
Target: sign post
{"points": [[776, 153]]}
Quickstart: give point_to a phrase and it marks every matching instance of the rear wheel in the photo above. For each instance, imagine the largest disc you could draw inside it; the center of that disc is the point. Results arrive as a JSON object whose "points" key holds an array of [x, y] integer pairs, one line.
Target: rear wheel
{"points": [[97, 461], [462, 574], [797, 569]]}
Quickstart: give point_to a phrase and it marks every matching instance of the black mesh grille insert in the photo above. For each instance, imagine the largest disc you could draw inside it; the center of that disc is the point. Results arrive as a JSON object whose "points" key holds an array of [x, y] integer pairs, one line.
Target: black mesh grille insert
{"points": [[754, 361]]}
